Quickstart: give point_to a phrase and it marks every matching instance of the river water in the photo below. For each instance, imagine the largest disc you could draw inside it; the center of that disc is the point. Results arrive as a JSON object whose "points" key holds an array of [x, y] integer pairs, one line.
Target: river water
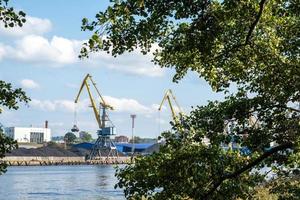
{"points": [[60, 182]]}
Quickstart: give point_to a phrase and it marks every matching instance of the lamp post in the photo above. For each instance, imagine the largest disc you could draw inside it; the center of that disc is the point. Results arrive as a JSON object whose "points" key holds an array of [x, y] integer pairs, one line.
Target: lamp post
{"points": [[132, 131]]}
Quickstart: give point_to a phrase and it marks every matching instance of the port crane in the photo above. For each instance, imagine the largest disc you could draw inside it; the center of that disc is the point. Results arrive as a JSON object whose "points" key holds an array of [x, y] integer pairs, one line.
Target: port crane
{"points": [[169, 96], [103, 144]]}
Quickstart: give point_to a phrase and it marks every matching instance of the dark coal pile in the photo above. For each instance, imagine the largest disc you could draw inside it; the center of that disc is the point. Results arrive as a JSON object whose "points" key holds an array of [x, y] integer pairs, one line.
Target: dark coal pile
{"points": [[80, 151], [43, 151], [55, 151]]}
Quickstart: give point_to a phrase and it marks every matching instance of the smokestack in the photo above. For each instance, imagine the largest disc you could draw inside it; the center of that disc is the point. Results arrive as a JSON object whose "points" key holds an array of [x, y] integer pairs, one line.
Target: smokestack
{"points": [[46, 124]]}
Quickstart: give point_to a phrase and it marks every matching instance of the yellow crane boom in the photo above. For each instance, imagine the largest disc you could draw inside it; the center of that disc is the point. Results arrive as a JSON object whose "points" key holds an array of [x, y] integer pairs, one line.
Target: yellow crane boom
{"points": [[168, 97], [85, 83]]}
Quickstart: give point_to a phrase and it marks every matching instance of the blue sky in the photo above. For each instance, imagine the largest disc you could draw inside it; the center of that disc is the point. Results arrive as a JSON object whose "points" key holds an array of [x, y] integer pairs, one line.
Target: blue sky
{"points": [[42, 58]]}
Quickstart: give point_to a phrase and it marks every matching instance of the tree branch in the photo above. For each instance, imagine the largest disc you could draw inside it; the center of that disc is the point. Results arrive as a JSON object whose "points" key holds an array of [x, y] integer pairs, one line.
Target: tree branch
{"points": [[287, 107], [252, 27], [246, 168]]}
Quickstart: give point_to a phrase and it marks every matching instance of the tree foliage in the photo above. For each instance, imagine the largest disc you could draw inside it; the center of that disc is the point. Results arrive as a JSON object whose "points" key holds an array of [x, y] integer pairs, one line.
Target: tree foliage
{"points": [[70, 138], [9, 16], [251, 43], [85, 136], [138, 139], [6, 146], [9, 97], [281, 188]]}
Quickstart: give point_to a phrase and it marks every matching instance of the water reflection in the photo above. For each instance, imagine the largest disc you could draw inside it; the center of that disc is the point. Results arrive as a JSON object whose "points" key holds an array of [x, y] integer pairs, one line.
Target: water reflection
{"points": [[60, 182]]}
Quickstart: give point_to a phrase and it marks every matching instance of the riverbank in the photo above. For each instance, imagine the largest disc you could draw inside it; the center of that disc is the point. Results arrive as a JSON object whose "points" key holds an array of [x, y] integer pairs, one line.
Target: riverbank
{"points": [[52, 160]]}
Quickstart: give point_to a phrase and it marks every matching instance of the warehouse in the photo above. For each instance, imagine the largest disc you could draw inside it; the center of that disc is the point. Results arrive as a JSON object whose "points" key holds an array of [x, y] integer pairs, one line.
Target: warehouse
{"points": [[29, 134]]}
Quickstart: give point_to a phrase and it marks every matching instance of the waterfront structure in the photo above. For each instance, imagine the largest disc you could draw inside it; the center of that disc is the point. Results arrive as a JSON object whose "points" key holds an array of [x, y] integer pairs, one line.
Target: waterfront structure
{"points": [[29, 134], [121, 139]]}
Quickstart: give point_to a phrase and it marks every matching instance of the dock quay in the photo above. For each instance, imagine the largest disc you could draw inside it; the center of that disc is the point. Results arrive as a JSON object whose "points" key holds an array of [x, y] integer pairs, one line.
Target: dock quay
{"points": [[52, 160]]}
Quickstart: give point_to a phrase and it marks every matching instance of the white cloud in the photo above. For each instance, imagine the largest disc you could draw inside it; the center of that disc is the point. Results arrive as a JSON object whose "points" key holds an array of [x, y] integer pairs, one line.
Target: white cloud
{"points": [[32, 47], [127, 105], [37, 49], [29, 84], [33, 25], [121, 105], [59, 52], [166, 108], [63, 105], [43, 105], [134, 63], [156, 106]]}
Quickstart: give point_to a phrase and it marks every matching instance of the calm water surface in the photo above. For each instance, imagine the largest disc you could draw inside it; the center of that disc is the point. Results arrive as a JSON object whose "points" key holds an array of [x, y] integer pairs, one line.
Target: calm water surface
{"points": [[60, 182]]}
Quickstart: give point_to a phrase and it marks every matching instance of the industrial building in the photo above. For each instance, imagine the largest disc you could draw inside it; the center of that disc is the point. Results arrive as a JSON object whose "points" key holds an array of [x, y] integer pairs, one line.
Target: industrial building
{"points": [[29, 134], [121, 139], [138, 148]]}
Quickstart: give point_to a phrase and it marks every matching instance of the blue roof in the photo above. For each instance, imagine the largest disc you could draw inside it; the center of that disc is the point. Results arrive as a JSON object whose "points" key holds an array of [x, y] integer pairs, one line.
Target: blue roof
{"points": [[136, 146], [84, 145], [121, 147], [88, 145], [127, 147]]}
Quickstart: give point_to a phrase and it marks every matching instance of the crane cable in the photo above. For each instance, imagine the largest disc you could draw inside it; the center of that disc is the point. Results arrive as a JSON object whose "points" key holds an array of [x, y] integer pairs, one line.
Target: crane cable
{"points": [[159, 126], [75, 128], [75, 114]]}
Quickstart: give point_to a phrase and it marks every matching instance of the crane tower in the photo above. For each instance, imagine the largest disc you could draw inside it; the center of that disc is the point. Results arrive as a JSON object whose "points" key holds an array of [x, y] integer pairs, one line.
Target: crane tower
{"points": [[103, 144]]}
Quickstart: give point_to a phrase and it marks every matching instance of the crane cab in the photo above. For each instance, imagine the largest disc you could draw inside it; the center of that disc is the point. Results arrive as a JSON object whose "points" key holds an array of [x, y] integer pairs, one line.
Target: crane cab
{"points": [[107, 131]]}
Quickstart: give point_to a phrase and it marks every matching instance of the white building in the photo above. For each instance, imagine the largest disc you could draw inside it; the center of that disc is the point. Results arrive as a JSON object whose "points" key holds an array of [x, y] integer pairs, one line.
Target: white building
{"points": [[29, 135]]}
